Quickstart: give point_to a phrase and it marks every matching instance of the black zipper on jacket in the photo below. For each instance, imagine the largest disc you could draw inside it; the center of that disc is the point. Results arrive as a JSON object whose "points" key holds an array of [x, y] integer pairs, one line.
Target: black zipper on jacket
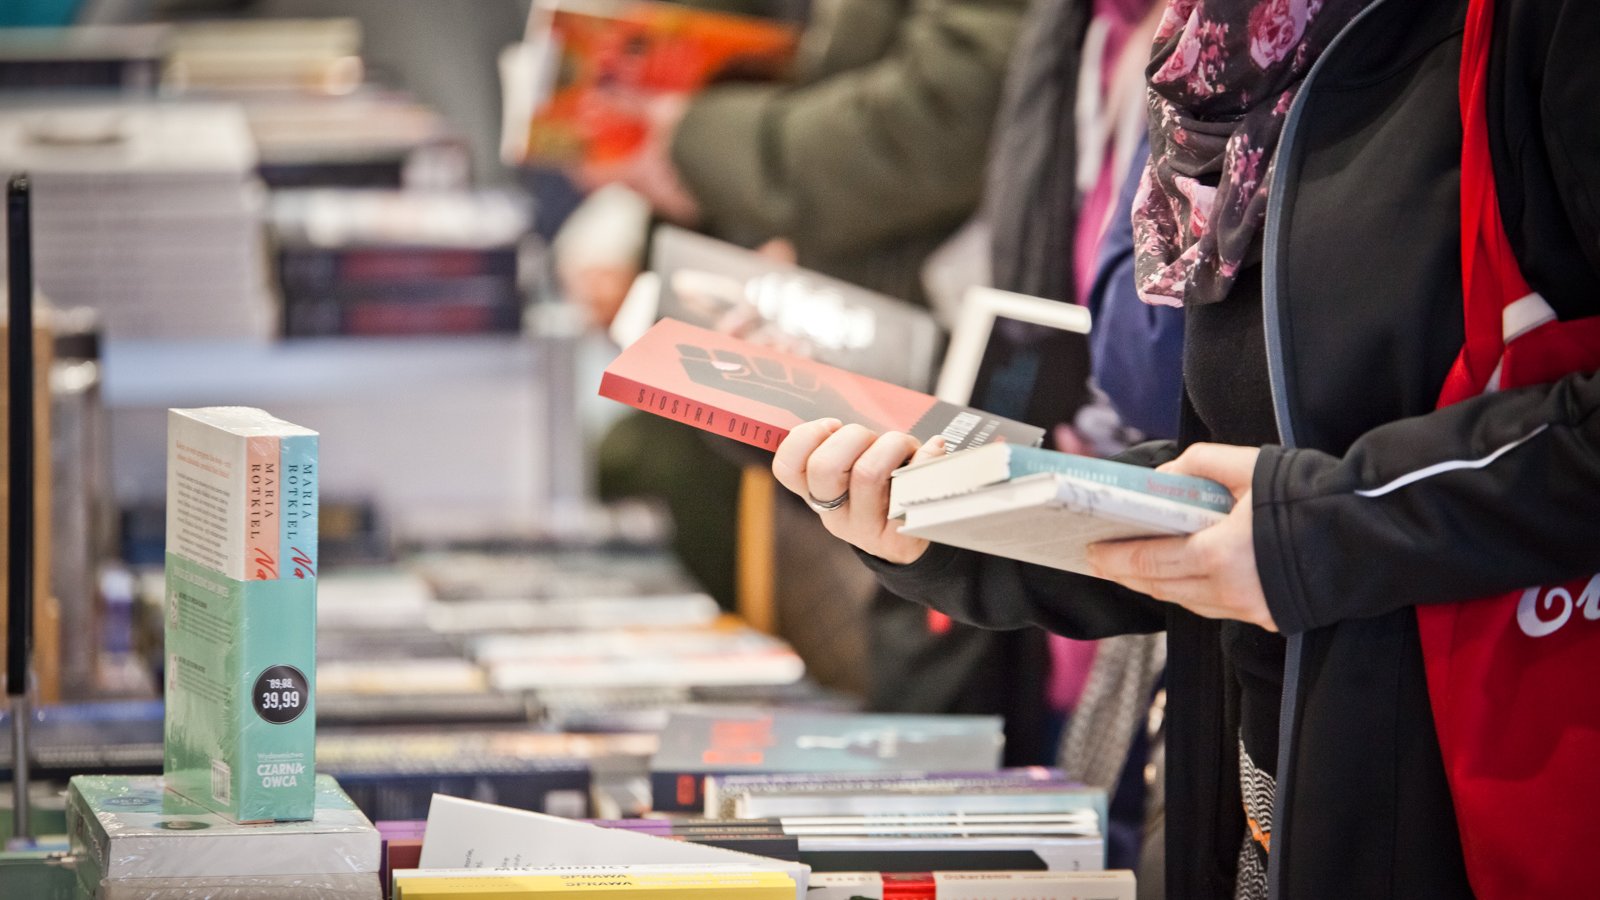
{"points": [[1274, 314]]}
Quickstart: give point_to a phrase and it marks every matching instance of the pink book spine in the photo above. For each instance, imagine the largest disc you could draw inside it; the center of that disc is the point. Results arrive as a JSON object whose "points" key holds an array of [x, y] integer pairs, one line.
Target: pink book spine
{"points": [[262, 512]]}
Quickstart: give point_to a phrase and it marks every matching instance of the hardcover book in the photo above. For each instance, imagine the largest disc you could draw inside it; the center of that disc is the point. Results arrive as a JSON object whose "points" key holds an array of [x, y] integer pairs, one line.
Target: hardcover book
{"points": [[1051, 519], [600, 65], [697, 744], [714, 284], [756, 394]]}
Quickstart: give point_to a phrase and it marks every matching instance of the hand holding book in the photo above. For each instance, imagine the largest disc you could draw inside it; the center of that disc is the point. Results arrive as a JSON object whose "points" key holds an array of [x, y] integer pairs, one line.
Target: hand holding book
{"points": [[648, 168], [824, 460], [1211, 572]]}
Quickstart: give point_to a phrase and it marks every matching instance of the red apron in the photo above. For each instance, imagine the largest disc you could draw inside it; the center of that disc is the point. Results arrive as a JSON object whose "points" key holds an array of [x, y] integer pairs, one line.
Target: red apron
{"points": [[1515, 680]]}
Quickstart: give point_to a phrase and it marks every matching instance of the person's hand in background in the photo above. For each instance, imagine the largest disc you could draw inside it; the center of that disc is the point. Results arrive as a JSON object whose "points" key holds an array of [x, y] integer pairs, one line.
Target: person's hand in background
{"points": [[650, 171], [600, 250]]}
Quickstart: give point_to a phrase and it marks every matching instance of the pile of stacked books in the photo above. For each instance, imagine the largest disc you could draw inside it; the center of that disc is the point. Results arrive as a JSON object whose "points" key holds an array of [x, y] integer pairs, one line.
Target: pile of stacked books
{"points": [[370, 262], [135, 841], [149, 213]]}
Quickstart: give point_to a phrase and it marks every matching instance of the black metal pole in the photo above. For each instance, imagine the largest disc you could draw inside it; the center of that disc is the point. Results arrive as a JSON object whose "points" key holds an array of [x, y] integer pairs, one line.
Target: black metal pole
{"points": [[19, 544]]}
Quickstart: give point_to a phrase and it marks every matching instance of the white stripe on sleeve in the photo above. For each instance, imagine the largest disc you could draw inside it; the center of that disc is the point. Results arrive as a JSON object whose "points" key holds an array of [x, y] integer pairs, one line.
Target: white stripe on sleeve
{"points": [[1451, 466]]}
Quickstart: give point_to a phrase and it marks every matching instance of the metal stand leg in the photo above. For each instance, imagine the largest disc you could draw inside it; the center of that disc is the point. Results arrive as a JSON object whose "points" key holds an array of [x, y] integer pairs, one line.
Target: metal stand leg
{"points": [[21, 715]]}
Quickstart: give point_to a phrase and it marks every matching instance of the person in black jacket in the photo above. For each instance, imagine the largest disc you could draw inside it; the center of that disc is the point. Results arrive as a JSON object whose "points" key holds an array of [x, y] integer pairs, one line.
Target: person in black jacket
{"points": [[1302, 756]]}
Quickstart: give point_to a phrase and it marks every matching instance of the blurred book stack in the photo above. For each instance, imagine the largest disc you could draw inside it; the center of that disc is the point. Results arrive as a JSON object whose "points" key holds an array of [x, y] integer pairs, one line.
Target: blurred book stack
{"points": [[716, 654], [148, 213], [314, 56], [1066, 842], [701, 745], [1031, 791], [376, 263], [370, 138], [570, 637], [118, 59], [317, 121], [393, 774]]}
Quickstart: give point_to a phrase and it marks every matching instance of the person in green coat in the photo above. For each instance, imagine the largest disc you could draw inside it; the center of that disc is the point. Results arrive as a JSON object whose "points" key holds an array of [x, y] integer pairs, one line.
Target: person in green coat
{"points": [[859, 166], [863, 162]]}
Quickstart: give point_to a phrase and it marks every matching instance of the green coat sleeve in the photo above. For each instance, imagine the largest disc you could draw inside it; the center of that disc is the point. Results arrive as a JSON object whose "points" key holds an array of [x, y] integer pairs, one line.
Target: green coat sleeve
{"points": [[862, 155]]}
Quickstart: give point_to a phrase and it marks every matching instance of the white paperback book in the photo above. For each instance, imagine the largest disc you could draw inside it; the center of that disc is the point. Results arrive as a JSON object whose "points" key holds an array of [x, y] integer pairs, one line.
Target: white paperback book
{"points": [[466, 834], [1051, 519]]}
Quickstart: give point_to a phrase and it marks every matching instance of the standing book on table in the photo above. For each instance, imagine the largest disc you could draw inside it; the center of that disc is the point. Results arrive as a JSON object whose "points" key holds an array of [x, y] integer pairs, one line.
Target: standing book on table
{"points": [[241, 613]]}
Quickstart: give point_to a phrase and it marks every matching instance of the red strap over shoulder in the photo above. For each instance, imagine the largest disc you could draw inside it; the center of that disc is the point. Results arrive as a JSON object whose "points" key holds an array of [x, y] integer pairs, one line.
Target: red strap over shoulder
{"points": [[1518, 740], [1491, 279]]}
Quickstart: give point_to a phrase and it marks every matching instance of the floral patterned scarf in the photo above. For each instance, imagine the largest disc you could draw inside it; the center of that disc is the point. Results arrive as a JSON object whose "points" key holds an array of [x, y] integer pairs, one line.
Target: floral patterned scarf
{"points": [[1221, 80]]}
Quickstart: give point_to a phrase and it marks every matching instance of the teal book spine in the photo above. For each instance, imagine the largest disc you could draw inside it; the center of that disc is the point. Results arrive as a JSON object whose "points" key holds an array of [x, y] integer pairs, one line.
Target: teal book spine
{"points": [[1201, 492], [298, 496]]}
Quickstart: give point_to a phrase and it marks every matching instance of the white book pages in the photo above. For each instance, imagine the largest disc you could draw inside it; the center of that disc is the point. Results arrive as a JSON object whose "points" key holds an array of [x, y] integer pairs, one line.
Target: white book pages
{"points": [[1050, 520]]}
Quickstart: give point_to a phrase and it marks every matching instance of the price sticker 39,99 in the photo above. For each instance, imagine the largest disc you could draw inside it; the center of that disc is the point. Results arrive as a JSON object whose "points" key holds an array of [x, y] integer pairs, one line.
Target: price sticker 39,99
{"points": [[281, 694]]}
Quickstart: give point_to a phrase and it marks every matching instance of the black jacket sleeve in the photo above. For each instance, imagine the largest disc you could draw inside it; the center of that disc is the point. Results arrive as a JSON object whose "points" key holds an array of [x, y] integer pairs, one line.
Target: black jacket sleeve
{"points": [[1477, 499], [991, 592]]}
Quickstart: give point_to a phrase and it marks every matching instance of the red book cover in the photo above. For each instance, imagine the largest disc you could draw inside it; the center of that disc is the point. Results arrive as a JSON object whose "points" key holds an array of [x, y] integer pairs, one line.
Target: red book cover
{"points": [[615, 58], [755, 394], [909, 886]]}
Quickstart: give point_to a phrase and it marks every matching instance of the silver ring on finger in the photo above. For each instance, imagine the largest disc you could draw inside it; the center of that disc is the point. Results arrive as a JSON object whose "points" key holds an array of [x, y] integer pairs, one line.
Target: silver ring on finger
{"points": [[823, 506]]}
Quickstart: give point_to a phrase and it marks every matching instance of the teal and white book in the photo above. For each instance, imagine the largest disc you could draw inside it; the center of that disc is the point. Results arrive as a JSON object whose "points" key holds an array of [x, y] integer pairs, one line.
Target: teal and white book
{"points": [[297, 499], [241, 613], [1051, 519], [969, 470]]}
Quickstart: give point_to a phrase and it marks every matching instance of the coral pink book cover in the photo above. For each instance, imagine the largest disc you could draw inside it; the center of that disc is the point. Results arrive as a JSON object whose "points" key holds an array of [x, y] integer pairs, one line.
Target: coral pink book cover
{"points": [[755, 394]]}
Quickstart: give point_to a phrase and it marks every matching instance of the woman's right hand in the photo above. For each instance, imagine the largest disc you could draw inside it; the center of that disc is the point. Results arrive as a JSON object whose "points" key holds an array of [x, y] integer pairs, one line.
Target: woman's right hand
{"points": [[824, 460]]}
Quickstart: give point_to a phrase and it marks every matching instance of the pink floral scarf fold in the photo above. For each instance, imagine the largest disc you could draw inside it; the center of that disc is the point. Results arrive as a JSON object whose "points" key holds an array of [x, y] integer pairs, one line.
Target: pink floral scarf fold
{"points": [[1222, 77]]}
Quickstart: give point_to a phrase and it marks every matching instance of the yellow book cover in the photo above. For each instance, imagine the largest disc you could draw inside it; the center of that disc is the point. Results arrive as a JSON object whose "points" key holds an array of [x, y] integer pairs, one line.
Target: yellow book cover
{"points": [[642, 886]]}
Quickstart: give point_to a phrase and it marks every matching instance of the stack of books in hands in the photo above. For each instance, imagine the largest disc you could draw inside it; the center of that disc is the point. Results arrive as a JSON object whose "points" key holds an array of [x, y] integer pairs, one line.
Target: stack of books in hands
{"points": [[1045, 507]]}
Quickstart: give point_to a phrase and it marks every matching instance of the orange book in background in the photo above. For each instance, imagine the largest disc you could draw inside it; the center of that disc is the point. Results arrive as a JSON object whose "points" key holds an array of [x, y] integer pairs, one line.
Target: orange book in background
{"points": [[606, 63]]}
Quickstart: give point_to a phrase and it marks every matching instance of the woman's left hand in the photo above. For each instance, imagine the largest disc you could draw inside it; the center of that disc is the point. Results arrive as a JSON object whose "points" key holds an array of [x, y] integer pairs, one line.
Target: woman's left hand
{"points": [[1212, 572]]}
